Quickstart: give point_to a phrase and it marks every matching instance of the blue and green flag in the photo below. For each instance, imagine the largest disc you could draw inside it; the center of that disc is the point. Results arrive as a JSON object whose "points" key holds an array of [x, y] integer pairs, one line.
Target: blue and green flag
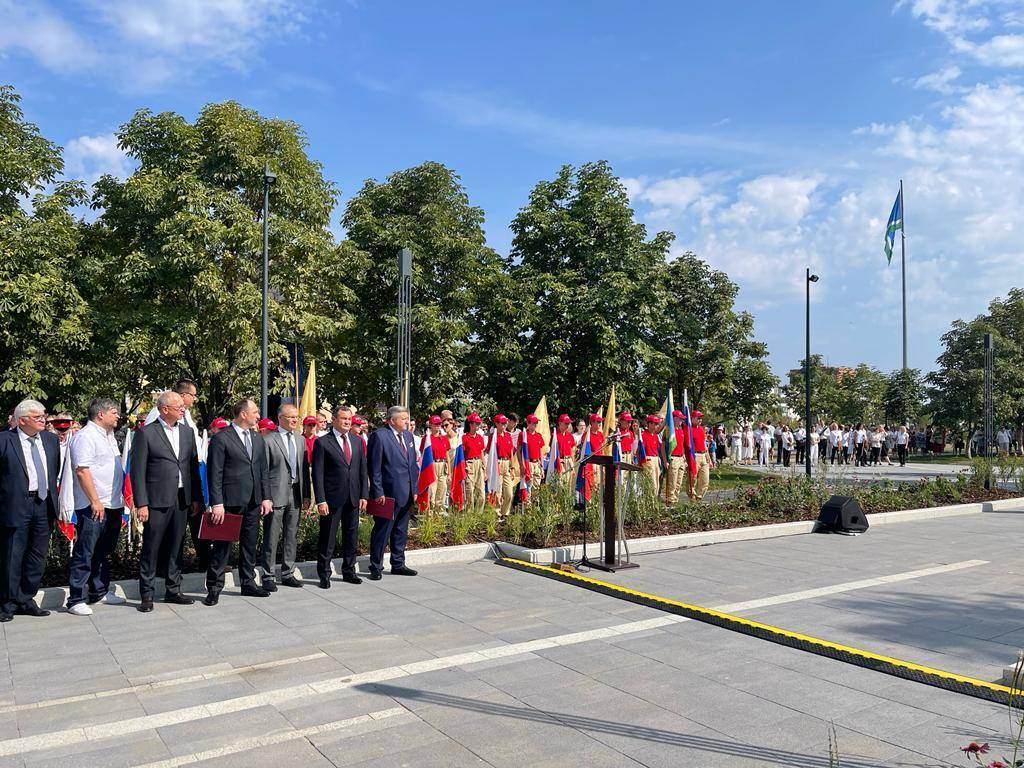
{"points": [[895, 223]]}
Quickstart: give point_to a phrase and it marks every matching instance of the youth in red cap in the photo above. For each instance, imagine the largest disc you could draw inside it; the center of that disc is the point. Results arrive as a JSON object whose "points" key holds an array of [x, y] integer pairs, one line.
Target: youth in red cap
{"points": [[220, 423], [474, 418], [564, 419], [501, 418], [532, 419], [696, 414], [596, 417], [677, 414], [309, 421], [267, 425], [435, 420]]}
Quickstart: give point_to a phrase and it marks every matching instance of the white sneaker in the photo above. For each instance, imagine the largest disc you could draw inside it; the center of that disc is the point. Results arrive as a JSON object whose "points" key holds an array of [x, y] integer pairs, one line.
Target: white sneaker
{"points": [[111, 598], [80, 609]]}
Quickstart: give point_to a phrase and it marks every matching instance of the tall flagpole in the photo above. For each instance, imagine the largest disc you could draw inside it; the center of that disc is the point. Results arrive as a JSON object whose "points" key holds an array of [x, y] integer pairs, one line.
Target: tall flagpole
{"points": [[903, 259]]}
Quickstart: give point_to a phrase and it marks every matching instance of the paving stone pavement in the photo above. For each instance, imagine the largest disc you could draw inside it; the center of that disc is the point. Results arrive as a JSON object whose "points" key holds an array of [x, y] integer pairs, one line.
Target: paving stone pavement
{"points": [[479, 665]]}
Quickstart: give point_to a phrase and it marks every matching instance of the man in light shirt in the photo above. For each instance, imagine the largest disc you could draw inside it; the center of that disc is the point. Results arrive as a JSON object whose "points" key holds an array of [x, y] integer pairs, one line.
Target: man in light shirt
{"points": [[99, 504]]}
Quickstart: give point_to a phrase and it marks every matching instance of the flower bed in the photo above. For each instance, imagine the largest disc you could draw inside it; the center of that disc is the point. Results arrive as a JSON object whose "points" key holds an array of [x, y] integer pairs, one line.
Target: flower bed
{"points": [[550, 519]]}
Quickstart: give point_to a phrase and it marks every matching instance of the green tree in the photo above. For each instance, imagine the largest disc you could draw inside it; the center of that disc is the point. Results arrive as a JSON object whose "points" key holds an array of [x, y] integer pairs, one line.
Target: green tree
{"points": [[904, 397], [826, 401], [174, 264], [956, 386], [455, 276], [703, 344], [587, 277], [44, 323]]}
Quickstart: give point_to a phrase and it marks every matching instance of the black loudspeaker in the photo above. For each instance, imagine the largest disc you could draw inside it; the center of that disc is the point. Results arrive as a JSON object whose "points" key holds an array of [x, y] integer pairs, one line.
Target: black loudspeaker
{"points": [[842, 514]]}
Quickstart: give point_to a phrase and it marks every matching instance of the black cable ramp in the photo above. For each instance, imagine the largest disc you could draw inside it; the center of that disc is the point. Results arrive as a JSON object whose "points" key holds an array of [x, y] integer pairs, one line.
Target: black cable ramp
{"points": [[906, 670]]}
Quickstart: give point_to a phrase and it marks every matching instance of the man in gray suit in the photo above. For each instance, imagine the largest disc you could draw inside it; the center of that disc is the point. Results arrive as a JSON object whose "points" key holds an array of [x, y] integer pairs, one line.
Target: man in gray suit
{"points": [[289, 490]]}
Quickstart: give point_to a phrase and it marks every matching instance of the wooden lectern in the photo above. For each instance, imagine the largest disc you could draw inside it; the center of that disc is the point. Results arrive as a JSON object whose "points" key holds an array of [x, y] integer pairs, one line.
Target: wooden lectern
{"points": [[609, 560]]}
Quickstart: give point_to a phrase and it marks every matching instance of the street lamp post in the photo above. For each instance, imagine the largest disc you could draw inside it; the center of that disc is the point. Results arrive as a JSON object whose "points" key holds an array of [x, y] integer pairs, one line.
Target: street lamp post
{"points": [[807, 377], [268, 179]]}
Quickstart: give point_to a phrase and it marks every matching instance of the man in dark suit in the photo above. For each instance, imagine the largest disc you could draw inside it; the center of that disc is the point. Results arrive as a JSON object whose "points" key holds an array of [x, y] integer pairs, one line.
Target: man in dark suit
{"points": [[29, 465], [391, 463], [341, 487], [239, 482], [165, 485], [289, 489]]}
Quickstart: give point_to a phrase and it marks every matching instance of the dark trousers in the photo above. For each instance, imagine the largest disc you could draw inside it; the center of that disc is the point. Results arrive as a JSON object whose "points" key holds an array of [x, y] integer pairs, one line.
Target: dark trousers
{"points": [[164, 524], [778, 451], [89, 569], [785, 456], [23, 554], [347, 519], [220, 553], [901, 452], [390, 532]]}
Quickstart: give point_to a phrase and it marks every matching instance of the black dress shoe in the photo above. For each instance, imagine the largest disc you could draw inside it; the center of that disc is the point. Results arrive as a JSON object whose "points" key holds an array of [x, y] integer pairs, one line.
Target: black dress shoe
{"points": [[179, 599], [325, 582], [291, 581], [403, 571], [146, 605], [5, 617], [31, 609], [269, 585], [251, 590], [374, 575], [211, 598], [351, 578]]}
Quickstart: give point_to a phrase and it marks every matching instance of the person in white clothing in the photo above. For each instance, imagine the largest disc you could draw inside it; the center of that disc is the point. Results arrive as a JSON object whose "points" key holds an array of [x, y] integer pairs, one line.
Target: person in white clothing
{"points": [[99, 504], [765, 444]]}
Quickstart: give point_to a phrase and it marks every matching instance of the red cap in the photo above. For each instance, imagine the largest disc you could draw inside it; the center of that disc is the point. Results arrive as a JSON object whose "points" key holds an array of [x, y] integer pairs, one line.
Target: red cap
{"points": [[653, 418], [501, 418], [595, 417], [358, 420], [532, 419], [309, 421], [220, 422], [435, 419], [564, 419], [677, 414], [267, 424], [626, 416], [474, 418], [696, 414]]}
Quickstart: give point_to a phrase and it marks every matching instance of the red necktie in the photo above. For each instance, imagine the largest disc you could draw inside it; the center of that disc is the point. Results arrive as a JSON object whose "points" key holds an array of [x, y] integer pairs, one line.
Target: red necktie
{"points": [[346, 449]]}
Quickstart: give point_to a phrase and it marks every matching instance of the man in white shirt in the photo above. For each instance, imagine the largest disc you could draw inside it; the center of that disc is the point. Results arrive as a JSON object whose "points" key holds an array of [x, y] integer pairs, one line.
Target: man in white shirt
{"points": [[99, 504]]}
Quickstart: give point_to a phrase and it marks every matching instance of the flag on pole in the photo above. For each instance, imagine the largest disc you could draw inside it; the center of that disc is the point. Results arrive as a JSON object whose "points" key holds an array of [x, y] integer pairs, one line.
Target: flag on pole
{"points": [[610, 421], [524, 467], [583, 477], [493, 485], [670, 423], [427, 476], [895, 224], [202, 449], [66, 517], [458, 489], [691, 455], [553, 463], [543, 422], [129, 499], [308, 405]]}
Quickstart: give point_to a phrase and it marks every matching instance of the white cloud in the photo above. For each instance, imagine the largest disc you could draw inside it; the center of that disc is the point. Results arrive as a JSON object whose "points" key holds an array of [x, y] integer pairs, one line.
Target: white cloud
{"points": [[225, 30], [941, 81], [537, 127], [966, 24], [89, 157], [43, 35], [144, 44]]}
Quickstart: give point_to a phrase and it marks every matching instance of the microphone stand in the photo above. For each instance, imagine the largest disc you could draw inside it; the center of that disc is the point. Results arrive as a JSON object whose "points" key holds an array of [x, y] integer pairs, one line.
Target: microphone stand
{"points": [[584, 560]]}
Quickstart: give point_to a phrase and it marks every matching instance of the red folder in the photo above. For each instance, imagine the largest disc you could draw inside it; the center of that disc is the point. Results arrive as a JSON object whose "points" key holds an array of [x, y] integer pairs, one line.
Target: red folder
{"points": [[228, 530], [386, 509]]}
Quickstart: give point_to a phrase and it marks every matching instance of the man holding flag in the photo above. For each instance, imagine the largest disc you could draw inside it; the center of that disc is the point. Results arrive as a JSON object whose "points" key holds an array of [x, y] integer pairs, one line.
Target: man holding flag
{"points": [[473, 446], [699, 466], [535, 450], [648, 454], [565, 445], [501, 451]]}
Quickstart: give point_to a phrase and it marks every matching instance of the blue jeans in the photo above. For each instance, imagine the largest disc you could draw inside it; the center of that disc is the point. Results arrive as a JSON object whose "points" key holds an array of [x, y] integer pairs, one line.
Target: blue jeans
{"points": [[95, 541]]}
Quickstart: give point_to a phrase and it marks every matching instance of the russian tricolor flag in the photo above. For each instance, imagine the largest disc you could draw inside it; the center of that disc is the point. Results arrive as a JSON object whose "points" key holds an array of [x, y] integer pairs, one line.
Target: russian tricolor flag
{"points": [[428, 475], [583, 474], [458, 489]]}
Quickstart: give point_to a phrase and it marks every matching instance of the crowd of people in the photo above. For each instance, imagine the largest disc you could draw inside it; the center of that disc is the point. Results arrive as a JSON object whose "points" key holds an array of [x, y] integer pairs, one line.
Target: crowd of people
{"points": [[249, 472]]}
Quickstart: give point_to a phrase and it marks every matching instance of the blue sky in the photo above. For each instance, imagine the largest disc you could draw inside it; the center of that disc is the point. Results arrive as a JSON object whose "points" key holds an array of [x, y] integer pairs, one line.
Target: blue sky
{"points": [[768, 136]]}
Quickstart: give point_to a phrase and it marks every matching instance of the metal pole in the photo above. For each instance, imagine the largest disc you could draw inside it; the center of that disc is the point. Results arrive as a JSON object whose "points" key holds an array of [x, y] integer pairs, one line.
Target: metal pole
{"points": [[807, 381], [989, 415], [903, 260], [266, 288]]}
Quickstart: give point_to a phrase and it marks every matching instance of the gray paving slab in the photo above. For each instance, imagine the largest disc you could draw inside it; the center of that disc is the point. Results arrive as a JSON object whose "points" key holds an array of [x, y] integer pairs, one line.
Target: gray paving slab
{"points": [[681, 694]]}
